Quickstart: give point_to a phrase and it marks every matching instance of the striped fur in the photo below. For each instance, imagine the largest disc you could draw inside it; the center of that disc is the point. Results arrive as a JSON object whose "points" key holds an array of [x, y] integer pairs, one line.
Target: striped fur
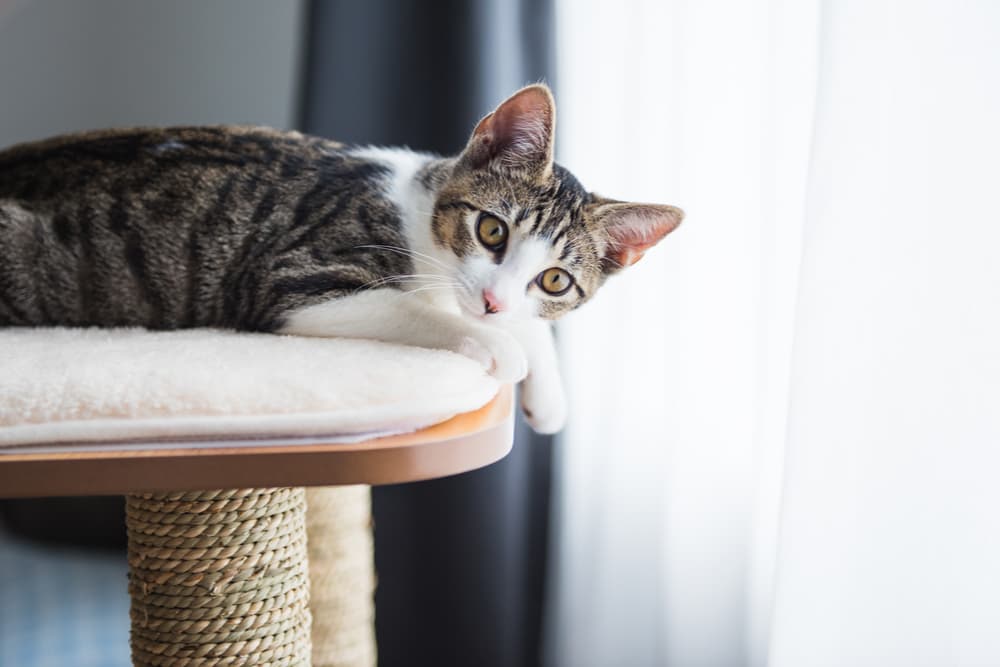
{"points": [[187, 227]]}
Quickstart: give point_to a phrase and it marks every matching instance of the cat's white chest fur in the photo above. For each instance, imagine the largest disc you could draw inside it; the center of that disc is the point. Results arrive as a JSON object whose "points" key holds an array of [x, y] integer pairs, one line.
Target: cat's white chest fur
{"points": [[415, 203]]}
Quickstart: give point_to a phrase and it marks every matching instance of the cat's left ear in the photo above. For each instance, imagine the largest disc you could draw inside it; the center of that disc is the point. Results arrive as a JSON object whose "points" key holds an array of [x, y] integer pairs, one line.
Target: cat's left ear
{"points": [[632, 229], [519, 134]]}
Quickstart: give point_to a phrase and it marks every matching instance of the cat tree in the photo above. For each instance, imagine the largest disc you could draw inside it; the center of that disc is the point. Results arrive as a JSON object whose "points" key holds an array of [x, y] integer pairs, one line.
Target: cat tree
{"points": [[232, 559]]}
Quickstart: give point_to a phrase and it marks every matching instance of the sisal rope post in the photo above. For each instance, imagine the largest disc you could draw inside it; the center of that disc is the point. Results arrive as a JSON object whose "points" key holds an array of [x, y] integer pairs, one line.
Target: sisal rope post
{"points": [[342, 570], [219, 578]]}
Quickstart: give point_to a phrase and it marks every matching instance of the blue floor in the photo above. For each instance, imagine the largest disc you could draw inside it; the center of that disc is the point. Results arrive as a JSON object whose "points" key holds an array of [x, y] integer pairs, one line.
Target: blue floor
{"points": [[62, 607]]}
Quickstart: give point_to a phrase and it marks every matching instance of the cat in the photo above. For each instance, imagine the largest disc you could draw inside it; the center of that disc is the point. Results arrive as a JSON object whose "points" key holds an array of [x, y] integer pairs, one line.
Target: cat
{"points": [[262, 230]]}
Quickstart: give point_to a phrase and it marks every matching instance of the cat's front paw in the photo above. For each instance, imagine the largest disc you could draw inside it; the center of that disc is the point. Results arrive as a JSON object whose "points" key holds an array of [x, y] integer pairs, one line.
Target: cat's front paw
{"points": [[544, 404], [498, 352]]}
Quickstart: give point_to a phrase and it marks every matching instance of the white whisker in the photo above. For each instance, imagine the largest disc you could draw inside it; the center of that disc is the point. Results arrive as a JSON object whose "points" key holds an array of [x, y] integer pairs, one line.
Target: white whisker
{"points": [[413, 254], [415, 278], [429, 288]]}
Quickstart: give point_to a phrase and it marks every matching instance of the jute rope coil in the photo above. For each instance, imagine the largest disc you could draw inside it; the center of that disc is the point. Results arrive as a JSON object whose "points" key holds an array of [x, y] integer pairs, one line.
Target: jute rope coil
{"points": [[219, 578], [342, 569]]}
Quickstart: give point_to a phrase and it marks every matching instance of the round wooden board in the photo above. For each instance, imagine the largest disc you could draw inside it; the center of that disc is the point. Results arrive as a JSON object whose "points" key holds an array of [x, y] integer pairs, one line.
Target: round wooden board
{"points": [[465, 442]]}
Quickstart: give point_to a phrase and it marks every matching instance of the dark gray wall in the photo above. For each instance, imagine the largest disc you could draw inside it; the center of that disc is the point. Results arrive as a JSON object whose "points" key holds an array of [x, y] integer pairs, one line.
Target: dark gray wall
{"points": [[79, 64]]}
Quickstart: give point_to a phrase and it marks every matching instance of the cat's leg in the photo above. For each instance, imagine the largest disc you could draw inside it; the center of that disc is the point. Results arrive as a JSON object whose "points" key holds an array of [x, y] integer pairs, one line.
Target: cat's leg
{"points": [[396, 317], [543, 398]]}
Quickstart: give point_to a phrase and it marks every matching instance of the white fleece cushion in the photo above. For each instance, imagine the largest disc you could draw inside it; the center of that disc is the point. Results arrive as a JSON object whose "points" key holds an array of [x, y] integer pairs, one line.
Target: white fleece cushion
{"points": [[107, 385]]}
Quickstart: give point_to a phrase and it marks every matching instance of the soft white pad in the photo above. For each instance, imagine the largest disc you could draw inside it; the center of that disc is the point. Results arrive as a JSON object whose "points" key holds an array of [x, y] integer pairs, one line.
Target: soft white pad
{"points": [[107, 385]]}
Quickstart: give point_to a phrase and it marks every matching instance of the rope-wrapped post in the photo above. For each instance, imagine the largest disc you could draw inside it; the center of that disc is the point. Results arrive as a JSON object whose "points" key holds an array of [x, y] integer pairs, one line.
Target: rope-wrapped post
{"points": [[219, 578], [342, 569]]}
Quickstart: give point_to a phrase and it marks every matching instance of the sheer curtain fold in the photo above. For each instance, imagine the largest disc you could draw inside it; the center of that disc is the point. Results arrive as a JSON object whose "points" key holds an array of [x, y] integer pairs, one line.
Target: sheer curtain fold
{"points": [[890, 544], [852, 144], [678, 368]]}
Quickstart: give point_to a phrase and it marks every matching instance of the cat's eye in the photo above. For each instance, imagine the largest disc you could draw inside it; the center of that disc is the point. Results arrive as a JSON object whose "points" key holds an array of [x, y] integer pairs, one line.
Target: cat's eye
{"points": [[555, 281], [492, 231]]}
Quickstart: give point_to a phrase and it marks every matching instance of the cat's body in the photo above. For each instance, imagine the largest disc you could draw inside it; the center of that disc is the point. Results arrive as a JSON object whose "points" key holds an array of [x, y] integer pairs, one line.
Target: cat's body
{"points": [[261, 230], [186, 227]]}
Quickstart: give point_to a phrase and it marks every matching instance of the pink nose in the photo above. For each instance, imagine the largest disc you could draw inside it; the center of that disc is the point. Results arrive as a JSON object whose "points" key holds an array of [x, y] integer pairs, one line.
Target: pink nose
{"points": [[491, 302]]}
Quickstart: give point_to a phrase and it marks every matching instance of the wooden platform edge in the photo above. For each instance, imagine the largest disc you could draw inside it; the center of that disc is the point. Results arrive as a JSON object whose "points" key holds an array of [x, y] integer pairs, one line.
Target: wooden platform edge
{"points": [[465, 442]]}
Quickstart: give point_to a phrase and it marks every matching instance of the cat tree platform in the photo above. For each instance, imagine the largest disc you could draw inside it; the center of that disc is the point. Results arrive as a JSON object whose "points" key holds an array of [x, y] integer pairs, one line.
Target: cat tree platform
{"points": [[232, 560]]}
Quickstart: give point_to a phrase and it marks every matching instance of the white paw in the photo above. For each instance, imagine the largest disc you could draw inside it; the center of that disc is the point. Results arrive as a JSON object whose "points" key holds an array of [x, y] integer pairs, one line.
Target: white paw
{"points": [[498, 352], [544, 403]]}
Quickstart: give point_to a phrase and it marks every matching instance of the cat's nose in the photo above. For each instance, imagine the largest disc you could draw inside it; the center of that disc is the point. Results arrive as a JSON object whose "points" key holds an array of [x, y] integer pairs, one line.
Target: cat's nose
{"points": [[491, 302]]}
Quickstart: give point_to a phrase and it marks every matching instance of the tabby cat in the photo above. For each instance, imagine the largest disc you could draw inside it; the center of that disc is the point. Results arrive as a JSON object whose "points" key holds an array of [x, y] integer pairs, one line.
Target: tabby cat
{"points": [[260, 230]]}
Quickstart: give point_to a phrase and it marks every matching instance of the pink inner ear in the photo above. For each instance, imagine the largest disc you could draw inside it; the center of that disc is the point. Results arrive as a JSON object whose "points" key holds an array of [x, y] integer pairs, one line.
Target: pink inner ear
{"points": [[635, 228], [520, 129]]}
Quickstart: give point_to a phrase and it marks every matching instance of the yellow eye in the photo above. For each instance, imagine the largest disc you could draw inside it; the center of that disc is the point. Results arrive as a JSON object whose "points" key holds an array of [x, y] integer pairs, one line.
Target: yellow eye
{"points": [[555, 281], [492, 231]]}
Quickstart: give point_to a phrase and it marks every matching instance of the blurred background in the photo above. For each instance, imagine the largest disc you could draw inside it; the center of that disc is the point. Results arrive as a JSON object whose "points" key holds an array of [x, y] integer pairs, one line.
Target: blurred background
{"points": [[785, 436]]}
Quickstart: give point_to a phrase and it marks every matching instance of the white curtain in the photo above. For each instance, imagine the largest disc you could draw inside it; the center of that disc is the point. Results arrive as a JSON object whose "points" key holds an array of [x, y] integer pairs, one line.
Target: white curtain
{"points": [[852, 143]]}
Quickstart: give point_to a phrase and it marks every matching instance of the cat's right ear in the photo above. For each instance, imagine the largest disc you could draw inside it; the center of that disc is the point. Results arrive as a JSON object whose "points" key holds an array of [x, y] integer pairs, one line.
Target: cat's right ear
{"points": [[632, 229], [518, 135]]}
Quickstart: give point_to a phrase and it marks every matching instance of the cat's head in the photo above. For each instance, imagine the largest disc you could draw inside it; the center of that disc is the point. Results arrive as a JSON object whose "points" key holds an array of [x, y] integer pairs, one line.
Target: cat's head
{"points": [[528, 239]]}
